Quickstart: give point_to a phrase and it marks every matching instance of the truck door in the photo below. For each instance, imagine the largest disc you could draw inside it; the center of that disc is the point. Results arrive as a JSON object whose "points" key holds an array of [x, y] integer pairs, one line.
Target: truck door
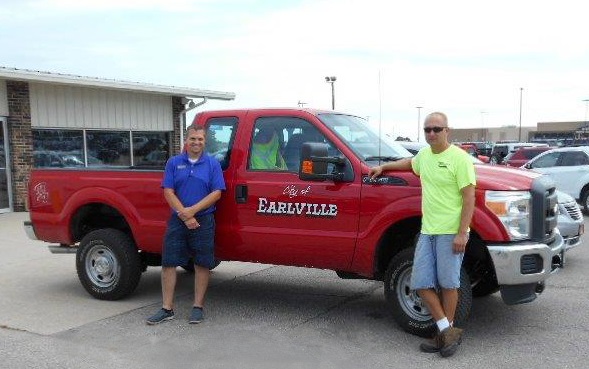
{"points": [[282, 219]]}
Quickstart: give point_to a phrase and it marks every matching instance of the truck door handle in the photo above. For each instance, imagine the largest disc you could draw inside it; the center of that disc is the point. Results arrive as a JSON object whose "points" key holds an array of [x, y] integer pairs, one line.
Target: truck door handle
{"points": [[241, 194]]}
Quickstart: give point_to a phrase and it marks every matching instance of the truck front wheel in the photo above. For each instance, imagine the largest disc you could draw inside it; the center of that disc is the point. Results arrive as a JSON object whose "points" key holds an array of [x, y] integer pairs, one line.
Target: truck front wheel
{"points": [[108, 264], [407, 308]]}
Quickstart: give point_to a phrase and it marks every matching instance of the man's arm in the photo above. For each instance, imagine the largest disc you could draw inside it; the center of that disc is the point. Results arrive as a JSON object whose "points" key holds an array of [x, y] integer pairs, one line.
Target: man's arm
{"points": [[187, 214], [403, 164], [468, 201], [206, 202]]}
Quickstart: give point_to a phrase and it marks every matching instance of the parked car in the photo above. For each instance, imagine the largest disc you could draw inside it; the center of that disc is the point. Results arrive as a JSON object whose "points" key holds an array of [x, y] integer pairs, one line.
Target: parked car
{"points": [[483, 148], [570, 220], [569, 168], [474, 152], [414, 147], [500, 150], [522, 155]]}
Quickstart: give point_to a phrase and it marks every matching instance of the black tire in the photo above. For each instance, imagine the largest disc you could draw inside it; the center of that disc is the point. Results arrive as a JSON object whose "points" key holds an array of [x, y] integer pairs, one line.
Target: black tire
{"points": [[485, 287], [406, 306], [585, 201], [108, 264]]}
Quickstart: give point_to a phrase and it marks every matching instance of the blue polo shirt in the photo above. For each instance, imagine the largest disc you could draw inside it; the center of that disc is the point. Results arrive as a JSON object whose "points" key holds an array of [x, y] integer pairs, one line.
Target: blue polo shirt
{"points": [[193, 182]]}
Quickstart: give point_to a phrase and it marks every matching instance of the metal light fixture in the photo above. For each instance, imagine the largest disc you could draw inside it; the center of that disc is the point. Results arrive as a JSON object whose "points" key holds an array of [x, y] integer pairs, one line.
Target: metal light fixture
{"points": [[331, 80]]}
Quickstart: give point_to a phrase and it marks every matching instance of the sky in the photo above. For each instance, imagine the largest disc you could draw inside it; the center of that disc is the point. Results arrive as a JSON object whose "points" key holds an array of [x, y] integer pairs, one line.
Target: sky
{"points": [[475, 61]]}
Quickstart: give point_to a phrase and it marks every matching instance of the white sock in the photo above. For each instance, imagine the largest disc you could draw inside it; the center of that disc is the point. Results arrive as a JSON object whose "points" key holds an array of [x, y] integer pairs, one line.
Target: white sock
{"points": [[451, 324], [443, 324]]}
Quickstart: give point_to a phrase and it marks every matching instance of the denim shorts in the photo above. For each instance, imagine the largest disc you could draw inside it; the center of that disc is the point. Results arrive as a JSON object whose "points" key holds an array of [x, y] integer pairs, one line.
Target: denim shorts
{"points": [[181, 243], [435, 265]]}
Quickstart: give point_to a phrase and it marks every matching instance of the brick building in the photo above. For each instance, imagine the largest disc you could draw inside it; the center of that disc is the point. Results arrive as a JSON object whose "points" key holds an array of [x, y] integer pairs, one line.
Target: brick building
{"points": [[59, 120]]}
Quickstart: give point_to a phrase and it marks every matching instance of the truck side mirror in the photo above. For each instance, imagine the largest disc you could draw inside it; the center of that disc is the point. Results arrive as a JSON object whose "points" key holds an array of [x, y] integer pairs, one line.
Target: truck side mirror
{"points": [[314, 163]]}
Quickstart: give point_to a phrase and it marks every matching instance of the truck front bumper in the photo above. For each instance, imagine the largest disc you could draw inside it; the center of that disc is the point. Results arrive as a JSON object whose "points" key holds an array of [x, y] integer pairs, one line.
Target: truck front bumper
{"points": [[522, 268]]}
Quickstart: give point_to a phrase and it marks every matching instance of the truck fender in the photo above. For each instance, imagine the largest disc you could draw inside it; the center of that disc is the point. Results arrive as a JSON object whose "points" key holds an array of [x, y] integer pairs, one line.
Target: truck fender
{"points": [[372, 233], [100, 195], [488, 226]]}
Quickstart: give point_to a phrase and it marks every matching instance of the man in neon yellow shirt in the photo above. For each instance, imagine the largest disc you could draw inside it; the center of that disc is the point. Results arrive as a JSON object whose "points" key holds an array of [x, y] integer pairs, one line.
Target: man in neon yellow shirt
{"points": [[265, 151], [448, 195]]}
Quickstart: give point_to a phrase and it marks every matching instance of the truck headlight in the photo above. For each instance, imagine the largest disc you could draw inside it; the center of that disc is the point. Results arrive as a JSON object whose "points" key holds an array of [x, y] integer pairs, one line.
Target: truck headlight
{"points": [[513, 209]]}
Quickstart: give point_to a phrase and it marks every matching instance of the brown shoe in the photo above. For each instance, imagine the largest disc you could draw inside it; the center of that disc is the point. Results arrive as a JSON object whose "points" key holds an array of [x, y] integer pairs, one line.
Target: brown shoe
{"points": [[451, 337], [433, 345]]}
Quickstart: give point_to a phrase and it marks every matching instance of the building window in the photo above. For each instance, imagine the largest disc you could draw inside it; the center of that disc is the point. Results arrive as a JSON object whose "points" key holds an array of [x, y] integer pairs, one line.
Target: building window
{"points": [[150, 148], [60, 148], [110, 148]]}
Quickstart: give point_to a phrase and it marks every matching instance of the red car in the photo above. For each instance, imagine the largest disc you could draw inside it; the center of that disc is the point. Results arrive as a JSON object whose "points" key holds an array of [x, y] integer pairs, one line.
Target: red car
{"points": [[522, 155], [473, 151]]}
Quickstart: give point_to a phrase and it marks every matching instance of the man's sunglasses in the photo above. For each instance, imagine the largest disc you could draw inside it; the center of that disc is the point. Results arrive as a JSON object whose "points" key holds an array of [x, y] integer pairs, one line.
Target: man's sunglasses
{"points": [[435, 129]]}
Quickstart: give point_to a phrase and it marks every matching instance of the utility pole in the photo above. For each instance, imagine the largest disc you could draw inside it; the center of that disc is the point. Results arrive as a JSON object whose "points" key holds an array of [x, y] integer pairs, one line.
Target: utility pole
{"points": [[521, 90], [418, 121]]}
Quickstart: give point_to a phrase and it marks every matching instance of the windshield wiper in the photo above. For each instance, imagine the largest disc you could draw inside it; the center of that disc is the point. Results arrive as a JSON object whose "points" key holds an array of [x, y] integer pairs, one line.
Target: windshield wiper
{"points": [[383, 158]]}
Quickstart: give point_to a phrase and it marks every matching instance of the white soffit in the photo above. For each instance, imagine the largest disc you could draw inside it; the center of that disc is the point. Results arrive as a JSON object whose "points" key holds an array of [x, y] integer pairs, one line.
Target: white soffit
{"points": [[69, 79]]}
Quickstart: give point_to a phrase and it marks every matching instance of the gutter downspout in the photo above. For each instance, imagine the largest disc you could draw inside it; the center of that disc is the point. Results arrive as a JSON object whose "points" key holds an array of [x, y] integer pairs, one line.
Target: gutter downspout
{"points": [[191, 105]]}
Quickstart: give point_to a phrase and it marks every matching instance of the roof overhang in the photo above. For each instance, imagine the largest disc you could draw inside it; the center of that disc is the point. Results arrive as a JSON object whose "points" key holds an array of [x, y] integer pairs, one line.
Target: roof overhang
{"points": [[82, 81]]}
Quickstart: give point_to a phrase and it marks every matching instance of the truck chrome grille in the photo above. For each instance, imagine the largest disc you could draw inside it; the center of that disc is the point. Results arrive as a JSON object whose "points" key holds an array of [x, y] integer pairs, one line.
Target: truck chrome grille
{"points": [[544, 210], [573, 210]]}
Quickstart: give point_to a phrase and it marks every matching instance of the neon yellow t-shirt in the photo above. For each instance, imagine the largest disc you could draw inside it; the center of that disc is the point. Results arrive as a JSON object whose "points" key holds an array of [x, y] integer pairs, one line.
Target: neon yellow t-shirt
{"points": [[442, 176]]}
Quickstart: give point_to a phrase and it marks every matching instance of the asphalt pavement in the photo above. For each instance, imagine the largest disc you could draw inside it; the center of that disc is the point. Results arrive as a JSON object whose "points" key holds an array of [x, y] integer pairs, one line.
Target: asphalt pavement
{"points": [[264, 316]]}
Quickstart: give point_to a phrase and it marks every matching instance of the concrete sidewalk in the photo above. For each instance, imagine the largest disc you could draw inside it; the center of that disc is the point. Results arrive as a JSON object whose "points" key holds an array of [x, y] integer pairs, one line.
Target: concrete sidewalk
{"points": [[40, 292]]}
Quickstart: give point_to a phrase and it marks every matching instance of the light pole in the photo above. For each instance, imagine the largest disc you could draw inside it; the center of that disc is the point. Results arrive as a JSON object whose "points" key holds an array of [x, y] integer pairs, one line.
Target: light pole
{"points": [[331, 80], [483, 125], [521, 90], [418, 120]]}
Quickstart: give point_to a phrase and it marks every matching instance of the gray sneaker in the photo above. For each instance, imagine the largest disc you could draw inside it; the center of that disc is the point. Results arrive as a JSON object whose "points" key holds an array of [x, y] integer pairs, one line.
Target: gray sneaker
{"points": [[196, 316], [161, 316]]}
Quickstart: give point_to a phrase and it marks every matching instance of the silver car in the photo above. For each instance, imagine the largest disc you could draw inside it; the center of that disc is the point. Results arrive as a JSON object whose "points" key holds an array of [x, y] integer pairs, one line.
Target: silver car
{"points": [[570, 220]]}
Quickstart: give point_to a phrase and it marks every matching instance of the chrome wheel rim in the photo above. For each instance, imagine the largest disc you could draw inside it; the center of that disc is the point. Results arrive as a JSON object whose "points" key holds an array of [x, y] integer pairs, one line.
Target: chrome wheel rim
{"points": [[409, 300], [102, 267]]}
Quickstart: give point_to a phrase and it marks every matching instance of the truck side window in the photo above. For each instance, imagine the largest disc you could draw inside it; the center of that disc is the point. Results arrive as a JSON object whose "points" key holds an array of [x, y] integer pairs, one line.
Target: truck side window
{"points": [[220, 138], [277, 142], [266, 149]]}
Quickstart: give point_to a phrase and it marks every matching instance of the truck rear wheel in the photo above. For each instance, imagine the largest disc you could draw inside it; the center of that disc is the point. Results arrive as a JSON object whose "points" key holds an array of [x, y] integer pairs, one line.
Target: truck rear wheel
{"points": [[108, 264], [407, 308]]}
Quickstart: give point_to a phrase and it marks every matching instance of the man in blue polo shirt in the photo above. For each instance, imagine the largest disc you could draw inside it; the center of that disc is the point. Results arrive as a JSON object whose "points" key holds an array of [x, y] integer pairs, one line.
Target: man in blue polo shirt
{"points": [[193, 182]]}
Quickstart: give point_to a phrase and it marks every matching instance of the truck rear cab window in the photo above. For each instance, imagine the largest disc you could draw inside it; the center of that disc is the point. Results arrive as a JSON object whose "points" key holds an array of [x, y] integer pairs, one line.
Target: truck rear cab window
{"points": [[220, 138]]}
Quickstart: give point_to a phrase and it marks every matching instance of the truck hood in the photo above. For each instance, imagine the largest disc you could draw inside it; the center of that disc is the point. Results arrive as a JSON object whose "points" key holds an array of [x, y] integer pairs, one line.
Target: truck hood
{"points": [[503, 178]]}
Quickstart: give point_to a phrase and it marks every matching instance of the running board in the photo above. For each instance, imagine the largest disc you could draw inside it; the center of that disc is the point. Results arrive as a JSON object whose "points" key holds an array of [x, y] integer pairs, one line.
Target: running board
{"points": [[63, 249]]}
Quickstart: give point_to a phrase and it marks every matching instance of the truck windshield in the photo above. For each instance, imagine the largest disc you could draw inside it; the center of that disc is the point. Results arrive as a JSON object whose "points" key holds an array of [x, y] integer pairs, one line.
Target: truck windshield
{"points": [[361, 138]]}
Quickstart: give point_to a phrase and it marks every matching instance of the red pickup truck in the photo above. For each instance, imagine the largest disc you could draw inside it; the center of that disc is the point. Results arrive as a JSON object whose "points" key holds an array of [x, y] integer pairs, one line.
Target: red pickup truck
{"points": [[313, 206]]}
